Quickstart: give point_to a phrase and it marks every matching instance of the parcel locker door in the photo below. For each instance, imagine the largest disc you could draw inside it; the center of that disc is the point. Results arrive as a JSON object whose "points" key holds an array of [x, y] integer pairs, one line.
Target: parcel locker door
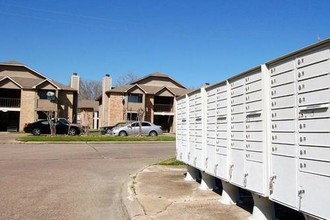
{"points": [[283, 180], [236, 169], [254, 177], [210, 159], [314, 198], [221, 166]]}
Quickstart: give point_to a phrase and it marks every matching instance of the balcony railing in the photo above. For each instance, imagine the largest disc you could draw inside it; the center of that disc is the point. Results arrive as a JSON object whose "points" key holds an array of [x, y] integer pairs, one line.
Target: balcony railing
{"points": [[163, 108], [10, 102]]}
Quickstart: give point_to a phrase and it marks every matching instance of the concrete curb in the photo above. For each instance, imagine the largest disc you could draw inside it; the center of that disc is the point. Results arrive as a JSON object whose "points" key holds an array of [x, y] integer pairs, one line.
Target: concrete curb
{"points": [[131, 206]]}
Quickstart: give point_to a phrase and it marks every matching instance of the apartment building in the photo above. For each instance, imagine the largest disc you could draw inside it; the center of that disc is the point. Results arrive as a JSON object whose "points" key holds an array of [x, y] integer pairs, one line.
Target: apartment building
{"points": [[27, 95], [155, 95]]}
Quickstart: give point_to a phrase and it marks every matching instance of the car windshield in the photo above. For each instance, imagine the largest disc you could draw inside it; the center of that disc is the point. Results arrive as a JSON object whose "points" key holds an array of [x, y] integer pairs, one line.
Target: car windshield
{"points": [[64, 121], [121, 124]]}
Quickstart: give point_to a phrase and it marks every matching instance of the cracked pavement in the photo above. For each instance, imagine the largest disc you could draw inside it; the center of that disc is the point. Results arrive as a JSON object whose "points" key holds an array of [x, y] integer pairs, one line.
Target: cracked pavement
{"points": [[162, 193]]}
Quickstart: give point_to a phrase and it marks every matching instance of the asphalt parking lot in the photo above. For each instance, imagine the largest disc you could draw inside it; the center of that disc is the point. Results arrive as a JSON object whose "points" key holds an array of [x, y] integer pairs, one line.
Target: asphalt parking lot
{"points": [[70, 181]]}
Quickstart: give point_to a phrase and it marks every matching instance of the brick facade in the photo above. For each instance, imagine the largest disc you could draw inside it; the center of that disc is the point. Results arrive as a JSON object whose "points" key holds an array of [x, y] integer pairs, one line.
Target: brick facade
{"points": [[149, 110], [116, 110], [28, 103]]}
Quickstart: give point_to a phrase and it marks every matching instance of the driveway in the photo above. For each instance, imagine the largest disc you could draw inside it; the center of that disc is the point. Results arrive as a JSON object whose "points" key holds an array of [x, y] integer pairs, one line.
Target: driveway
{"points": [[70, 181]]}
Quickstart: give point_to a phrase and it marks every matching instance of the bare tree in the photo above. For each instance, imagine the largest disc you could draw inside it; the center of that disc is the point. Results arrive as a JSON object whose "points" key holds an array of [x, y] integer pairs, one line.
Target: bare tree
{"points": [[125, 79], [140, 113], [89, 89], [52, 124]]}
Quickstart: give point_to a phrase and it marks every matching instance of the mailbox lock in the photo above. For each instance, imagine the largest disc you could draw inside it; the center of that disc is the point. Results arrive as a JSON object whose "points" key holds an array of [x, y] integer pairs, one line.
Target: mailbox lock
{"points": [[301, 192]]}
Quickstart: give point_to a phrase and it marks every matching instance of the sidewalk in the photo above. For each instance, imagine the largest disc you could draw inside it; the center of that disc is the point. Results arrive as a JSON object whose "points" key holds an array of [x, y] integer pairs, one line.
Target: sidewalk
{"points": [[162, 193]]}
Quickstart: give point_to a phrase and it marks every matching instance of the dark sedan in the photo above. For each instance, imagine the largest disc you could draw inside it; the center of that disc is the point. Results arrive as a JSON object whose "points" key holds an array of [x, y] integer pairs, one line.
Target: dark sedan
{"points": [[108, 129], [42, 126]]}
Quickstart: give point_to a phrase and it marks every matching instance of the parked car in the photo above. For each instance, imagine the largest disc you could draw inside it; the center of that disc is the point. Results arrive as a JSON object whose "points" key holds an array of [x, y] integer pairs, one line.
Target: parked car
{"points": [[132, 128], [63, 126], [108, 129]]}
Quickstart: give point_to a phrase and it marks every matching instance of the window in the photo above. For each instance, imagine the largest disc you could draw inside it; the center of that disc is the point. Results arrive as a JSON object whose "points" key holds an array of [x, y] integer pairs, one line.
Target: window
{"points": [[131, 116], [145, 124], [135, 98]]}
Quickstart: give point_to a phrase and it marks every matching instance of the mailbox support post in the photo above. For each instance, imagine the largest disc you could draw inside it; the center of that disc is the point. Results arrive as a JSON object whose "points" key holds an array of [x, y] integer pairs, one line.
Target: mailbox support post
{"points": [[208, 182], [229, 194], [263, 208], [192, 173]]}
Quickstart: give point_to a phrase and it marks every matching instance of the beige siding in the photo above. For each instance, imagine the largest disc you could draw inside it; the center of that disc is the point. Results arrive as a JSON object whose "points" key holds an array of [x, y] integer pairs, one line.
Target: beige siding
{"points": [[8, 84], [46, 86]]}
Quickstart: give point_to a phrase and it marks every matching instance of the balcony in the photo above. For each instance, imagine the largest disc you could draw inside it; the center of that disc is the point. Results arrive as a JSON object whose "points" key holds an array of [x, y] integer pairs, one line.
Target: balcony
{"points": [[10, 102], [163, 108], [131, 106], [46, 105]]}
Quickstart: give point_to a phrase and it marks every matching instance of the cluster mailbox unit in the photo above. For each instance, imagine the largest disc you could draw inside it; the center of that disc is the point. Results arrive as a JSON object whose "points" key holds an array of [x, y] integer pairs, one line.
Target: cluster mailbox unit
{"points": [[266, 130]]}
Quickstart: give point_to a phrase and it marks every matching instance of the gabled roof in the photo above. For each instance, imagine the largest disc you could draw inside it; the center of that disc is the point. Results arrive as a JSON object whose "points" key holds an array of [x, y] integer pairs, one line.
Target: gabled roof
{"points": [[157, 74], [46, 80], [165, 88], [15, 63], [136, 85], [9, 78], [151, 90], [32, 83]]}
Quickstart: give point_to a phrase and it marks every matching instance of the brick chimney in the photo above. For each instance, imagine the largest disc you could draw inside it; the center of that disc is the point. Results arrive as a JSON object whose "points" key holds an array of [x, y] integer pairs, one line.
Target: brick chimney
{"points": [[106, 86], [75, 80]]}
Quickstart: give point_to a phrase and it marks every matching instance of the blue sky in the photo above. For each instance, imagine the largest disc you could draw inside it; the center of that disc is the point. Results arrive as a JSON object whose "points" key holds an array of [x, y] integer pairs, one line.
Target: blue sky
{"points": [[193, 41]]}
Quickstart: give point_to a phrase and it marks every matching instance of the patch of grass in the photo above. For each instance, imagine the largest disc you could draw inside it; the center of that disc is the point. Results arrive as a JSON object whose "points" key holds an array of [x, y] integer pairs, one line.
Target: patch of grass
{"points": [[94, 137], [133, 185], [171, 162]]}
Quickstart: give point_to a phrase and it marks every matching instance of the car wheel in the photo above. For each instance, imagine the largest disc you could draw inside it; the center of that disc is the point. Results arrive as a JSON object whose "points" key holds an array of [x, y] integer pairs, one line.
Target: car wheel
{"points": [[153, 133], [72, 131], [122, 133], [36, 131], [108, 131]]}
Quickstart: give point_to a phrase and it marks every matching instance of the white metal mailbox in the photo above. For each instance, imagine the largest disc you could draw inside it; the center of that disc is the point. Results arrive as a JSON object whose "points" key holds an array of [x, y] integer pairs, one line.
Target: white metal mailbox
{"points": [[300, 131], [266, 130], [216, 162], [182, 129], [248, 148]]}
